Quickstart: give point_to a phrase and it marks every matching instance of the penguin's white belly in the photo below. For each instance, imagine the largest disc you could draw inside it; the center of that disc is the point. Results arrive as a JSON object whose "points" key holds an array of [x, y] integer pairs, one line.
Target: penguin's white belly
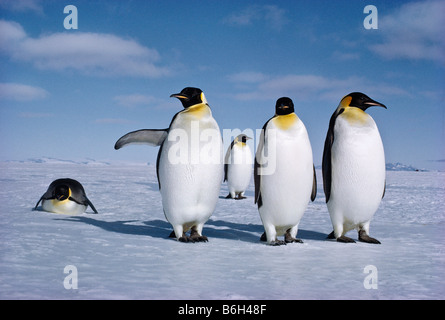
{"points": [[190, 174], [63, 207], [286, 192], [239, 170], [358, 175], [238, 177]]}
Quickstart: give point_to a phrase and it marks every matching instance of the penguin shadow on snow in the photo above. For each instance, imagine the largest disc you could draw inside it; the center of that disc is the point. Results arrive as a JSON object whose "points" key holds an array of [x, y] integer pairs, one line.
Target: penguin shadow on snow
{"points": [[213, 229], [155, 228]]}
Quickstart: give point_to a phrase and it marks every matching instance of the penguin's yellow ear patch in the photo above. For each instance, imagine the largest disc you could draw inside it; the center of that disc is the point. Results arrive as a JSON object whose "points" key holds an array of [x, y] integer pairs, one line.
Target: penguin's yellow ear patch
{"points": [[345, 102], [203, 98]]}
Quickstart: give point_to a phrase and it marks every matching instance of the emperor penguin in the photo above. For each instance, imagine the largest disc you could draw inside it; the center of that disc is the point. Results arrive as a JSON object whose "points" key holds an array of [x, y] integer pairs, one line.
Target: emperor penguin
{"points": [[353, 168], [238, 165], [284, 174], [66, 196], [189, 165]]}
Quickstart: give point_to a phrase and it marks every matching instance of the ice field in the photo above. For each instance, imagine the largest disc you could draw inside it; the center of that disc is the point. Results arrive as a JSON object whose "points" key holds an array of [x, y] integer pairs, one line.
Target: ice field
{"points": [[124, 251]]}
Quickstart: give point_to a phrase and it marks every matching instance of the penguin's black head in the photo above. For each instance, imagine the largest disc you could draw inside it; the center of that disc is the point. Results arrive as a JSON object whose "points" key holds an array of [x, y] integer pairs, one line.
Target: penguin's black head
{"points": [[284, 106], [242, 138], [190, 96], [362, 101], [61, 192]]}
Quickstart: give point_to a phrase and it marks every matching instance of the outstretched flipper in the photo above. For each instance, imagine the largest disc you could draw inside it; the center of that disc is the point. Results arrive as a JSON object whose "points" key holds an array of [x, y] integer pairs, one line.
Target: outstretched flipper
{"points": [[152, 137]]}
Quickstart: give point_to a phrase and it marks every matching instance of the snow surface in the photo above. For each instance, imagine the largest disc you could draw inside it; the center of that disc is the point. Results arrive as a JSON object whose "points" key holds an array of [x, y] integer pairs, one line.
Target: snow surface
{"points": [[124, 251]]}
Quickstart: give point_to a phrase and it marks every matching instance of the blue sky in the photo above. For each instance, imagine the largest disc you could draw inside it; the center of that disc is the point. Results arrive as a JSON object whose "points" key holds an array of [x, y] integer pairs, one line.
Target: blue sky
{"points": [[70, 94]]}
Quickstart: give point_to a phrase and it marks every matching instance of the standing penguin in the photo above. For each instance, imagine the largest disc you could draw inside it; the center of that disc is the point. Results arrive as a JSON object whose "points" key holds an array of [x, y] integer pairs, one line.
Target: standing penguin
{"points": [[284, 174], [238, 167], [66, 196], [189, 165], [353, 168]]}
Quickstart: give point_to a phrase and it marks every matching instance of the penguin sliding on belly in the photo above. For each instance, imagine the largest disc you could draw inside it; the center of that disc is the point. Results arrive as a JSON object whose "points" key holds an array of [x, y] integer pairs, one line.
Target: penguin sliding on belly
{"points": [[65, 196], [353, 168], [189, 165], [238, 167], [284, 173]]}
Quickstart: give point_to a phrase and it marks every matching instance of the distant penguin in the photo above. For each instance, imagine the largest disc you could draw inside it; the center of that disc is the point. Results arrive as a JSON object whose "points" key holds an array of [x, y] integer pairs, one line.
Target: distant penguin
{"points": [[353, 168], [189, 164], [284, 173], [66, 196], [238, 165]]}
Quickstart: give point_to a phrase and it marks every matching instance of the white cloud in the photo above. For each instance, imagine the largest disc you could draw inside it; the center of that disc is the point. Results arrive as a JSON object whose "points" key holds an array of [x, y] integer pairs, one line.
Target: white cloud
{"points": [[270, 15], [88, 53], [21, 92], [309, 87], [415, 31], [22, 5]]}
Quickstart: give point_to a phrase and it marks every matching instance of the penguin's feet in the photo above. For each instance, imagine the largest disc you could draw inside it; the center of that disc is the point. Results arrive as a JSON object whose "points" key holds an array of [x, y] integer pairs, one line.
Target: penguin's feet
{"points": [[196, 237], [345, 239], [289, 239], [193, 239], [240, 197], [363, 237], [277, 243], [184, 238]]}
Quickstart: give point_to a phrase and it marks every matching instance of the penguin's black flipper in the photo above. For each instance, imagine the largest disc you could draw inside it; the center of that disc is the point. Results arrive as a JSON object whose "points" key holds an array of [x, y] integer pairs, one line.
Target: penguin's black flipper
{"points": [[47, 195], [152, 137], [256, 169], [326, 162], [91, 205], [37, 204], [314, 186]]}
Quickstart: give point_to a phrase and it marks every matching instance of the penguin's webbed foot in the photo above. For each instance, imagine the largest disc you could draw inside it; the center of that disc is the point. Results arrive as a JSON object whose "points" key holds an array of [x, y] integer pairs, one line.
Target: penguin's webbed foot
{"points": [[193, 239], [196, 237], [277, 243], [289, 239], [240, 197], [345, 239], [363, 237]]}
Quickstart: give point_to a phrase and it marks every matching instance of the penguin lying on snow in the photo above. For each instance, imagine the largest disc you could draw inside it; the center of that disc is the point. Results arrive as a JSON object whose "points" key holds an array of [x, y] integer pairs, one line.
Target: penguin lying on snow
{"points": [[66, 196], [238, 167], [189, 164], [353, 168], [284, 174]]}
